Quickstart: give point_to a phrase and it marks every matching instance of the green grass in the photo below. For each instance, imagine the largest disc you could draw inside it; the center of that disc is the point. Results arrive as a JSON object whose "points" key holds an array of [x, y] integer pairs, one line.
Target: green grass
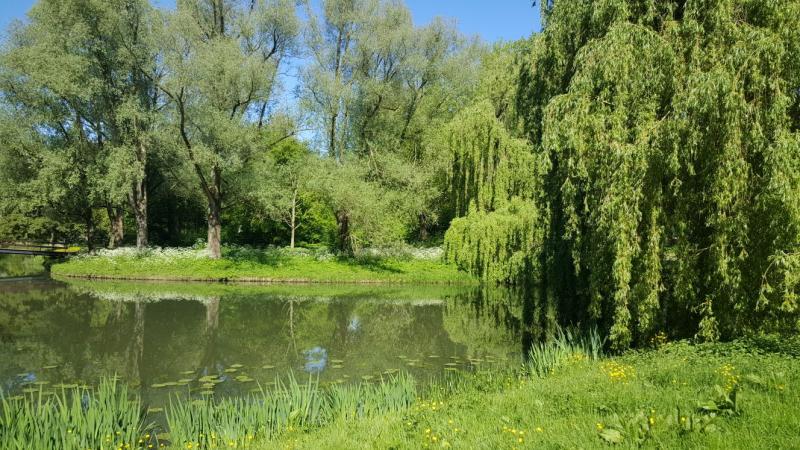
{"points": [[680, 396], [737, 395], [263, 266]]}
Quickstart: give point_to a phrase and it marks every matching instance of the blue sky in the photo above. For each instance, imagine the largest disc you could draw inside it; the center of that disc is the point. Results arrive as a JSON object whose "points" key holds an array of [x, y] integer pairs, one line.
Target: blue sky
{"points": [[493, 20]]}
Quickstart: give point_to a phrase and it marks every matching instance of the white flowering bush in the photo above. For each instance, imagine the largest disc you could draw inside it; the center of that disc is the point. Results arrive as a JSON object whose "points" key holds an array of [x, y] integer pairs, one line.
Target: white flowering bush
{"points": [[165, 253], [248, 253]]}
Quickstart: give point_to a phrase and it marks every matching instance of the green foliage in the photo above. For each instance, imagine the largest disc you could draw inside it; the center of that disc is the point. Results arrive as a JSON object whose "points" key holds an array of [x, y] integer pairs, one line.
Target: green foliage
{"points": [[499, 245], [566, 346], [662, 170], [74, 419], [488, 164]]}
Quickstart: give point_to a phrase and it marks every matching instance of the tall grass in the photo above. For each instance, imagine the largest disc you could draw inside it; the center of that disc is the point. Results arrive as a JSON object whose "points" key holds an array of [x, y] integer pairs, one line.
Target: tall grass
{"points": [[73, 419], [567, 344], [235, 422], [112, 417]]}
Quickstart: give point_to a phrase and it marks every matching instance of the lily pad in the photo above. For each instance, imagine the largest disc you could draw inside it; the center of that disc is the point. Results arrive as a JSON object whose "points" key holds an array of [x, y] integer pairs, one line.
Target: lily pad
{"points": [[268, 367], [53, 366], [158, 385], [236, 366], [337, 366], [154, 410], [231, 370]]}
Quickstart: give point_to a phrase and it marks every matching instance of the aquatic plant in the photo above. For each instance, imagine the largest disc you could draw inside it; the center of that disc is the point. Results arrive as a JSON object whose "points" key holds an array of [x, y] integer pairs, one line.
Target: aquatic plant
{"points": [[565, 346], [74, 418]]}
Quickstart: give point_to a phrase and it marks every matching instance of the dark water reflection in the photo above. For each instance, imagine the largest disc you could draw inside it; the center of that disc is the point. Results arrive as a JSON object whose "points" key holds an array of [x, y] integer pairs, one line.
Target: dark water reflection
{"points": [[168, 338]]}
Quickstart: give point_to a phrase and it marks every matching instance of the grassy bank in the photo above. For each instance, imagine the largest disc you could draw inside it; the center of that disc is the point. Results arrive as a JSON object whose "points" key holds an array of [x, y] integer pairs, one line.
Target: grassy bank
{"points": [[676, 396], [679, 396], [275, 265]]}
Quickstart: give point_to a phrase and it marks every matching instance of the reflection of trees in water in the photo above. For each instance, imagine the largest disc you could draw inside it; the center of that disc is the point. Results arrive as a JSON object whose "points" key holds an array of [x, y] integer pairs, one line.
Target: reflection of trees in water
{"points": [[209, 339], [136, 344], [495, 320], [44, 324]]}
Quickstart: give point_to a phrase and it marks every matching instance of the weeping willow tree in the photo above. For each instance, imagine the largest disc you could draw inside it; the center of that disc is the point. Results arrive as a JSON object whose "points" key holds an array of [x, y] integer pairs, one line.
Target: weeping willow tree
{"points": [[665, 191]]}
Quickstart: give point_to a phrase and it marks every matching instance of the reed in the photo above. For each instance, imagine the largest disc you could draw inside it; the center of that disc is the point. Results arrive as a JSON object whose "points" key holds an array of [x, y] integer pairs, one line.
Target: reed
{"points": [[566, 345]]}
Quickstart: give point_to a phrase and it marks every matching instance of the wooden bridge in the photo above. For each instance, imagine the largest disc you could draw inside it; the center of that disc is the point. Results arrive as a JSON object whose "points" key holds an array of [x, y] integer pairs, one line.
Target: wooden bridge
{"points": [[28, 248]]}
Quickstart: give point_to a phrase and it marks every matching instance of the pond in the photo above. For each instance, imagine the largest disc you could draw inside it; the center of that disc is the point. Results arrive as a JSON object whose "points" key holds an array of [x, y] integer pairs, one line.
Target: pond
{"points": [[222, 340]]}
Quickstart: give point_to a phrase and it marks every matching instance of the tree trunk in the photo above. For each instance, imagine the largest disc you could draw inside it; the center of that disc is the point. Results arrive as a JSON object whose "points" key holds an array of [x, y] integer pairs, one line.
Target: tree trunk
{"points": [[293, 224], [423, 227], [214, 230], [138, 201], [89, 220], [214, 214], [116, 217], [343, 239]]}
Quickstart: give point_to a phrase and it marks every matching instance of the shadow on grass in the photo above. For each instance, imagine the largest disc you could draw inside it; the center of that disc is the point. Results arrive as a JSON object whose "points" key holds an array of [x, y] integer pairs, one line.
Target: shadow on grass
{"points": [[373, 263], [257, 256]]}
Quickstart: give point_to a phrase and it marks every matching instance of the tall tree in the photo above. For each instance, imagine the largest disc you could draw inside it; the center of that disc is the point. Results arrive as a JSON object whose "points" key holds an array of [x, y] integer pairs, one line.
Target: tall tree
{"points": [[75, 69], [221, 59]]}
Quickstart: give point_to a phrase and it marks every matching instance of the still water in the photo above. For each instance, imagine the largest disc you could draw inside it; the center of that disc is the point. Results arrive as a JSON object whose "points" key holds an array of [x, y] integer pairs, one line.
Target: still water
{"points": [[225, 340]]}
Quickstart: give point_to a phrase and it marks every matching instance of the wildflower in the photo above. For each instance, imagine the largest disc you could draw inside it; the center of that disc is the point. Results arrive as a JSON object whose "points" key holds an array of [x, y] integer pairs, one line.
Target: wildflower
{"points": [[539, 430], [599, 426], [652, 421], [519, 440]]}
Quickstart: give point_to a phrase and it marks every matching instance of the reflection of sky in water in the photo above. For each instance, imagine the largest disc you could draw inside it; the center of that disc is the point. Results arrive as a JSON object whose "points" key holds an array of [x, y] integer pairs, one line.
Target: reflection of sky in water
{"points": [[316, 360], [19, 380], [354, 325]]}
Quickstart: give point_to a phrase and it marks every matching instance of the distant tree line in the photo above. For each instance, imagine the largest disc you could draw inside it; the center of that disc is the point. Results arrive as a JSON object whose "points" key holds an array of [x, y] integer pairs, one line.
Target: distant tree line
{"points": [[120, 119]]}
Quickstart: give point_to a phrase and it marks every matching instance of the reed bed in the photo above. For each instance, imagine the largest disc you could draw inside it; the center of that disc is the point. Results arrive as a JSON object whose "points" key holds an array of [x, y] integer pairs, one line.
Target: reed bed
{"points": [[111, 417]]}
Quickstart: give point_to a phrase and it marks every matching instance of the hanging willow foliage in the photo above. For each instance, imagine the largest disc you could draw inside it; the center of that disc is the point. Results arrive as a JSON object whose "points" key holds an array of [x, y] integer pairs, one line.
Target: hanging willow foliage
{"points": [[500, 245], [487, 164], [667, 194]]}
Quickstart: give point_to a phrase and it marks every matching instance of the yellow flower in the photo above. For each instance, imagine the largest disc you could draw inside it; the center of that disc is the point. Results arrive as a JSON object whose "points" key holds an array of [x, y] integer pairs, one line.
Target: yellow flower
{"points": [[539, 429]]}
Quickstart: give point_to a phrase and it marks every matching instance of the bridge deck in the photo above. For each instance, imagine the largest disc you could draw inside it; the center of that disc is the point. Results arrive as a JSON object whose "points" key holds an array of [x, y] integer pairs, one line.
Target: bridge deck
{"points": [[55, 251]]}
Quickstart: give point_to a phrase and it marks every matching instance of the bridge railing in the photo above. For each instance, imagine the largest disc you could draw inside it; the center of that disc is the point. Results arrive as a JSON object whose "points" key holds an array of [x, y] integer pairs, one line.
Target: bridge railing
{"points": [[38, 247]]}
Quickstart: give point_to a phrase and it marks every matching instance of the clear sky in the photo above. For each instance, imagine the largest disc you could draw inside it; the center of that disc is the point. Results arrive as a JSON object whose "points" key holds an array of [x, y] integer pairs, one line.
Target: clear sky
{"points": [[493, 20]]}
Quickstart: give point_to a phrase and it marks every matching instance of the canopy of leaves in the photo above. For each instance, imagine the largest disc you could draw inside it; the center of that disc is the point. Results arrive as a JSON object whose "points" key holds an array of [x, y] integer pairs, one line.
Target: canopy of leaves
{"points": [[670, 135]]}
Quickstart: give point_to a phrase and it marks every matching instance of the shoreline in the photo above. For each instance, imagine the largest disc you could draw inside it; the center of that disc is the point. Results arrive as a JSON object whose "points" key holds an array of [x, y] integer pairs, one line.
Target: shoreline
{"points": [[265, 281], [298, 270]]}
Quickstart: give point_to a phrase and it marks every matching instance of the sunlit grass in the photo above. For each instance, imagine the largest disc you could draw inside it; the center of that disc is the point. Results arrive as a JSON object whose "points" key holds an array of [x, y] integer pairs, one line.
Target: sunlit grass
{"points": [[739, 395], [272, 265], [677, 396]]}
